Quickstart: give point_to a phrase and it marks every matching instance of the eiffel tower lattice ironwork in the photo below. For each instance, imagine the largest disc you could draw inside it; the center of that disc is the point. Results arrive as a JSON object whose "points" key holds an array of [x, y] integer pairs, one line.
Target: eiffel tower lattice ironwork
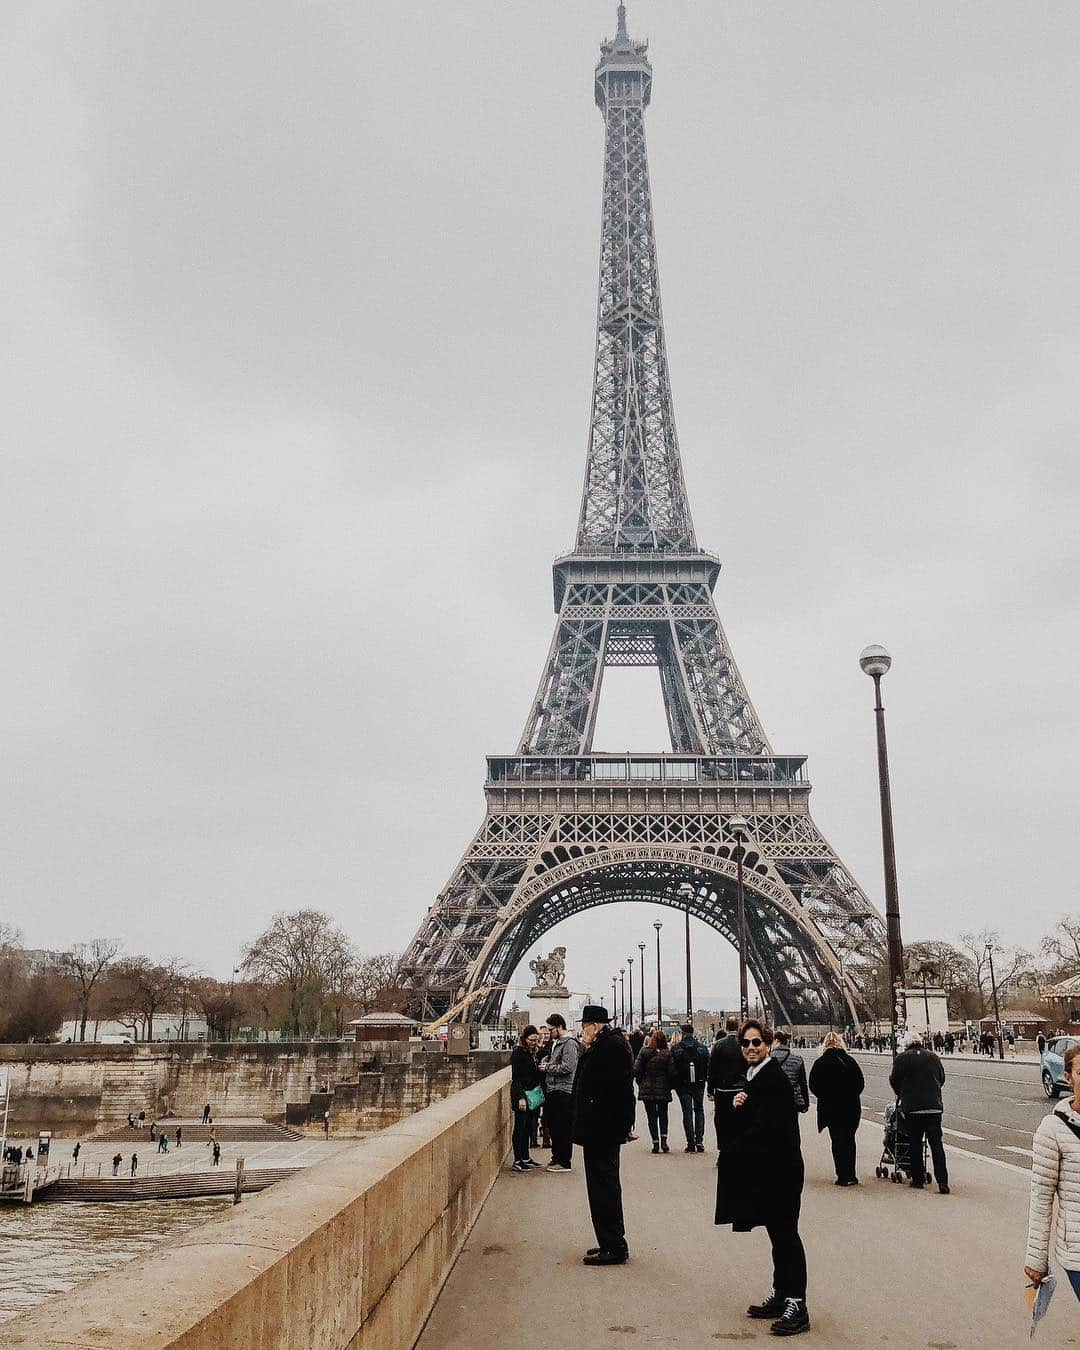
{"points": [[567, 829]]}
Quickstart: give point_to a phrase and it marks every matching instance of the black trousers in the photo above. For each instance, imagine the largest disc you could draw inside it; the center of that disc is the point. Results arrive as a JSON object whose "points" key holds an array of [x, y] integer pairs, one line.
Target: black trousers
{"points": [[930, 1127], [692, 1100], [842, 1135], [789, 1258], [557, 1116], [657, 1113], [605, 1195], [522, 1128]]}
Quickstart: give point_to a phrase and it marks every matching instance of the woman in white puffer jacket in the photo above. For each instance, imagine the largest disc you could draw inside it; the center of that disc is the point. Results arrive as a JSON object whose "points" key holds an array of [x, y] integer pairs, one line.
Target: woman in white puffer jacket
{"points": [[1055, 1174]]}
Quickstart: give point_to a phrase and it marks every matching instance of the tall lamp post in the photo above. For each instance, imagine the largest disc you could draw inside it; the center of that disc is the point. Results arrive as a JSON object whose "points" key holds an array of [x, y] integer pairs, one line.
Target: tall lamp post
{"points": [[630, 985], [738, 826], [622, 996], [614, 995], [997, 1010], [925, 971], [686, 894], [875, 662], [659, 1015], [641, 967]]}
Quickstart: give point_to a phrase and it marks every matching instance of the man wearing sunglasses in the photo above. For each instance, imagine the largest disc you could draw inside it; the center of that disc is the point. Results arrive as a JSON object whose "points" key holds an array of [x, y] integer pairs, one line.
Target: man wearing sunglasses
{"points": [[759, 1177]]}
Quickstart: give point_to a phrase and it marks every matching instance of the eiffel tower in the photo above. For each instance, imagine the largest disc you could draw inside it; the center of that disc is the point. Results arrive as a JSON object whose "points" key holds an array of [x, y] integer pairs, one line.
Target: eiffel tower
{"points": [[567, 829]]}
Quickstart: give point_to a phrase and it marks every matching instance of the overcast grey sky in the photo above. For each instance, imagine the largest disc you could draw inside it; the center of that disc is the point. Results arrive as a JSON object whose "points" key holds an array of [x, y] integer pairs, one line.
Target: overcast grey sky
{"points": [[297, 349]]}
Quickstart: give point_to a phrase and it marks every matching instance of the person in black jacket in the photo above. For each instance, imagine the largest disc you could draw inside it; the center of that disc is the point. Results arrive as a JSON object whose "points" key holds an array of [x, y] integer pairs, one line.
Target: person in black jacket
{"points": [[691, 1061], [603, 1114], [917, 1078], [524, 1075], [837, 1082], [726, 1073], [759, 1177], [654, 1070]]}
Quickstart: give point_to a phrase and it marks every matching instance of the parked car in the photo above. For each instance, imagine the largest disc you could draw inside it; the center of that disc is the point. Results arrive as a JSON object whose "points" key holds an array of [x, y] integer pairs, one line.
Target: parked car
{"points": [[1052, 1061]]}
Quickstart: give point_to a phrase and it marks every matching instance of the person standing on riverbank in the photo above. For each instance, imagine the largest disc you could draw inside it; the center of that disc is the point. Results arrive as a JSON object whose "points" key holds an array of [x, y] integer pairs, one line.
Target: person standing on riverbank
{"points": [[134, 1164], [117, 1160]]}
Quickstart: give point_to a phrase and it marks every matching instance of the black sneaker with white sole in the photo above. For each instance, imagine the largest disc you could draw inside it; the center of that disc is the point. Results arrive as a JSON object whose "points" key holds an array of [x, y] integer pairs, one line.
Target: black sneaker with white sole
{"points": [[794, 1320]]}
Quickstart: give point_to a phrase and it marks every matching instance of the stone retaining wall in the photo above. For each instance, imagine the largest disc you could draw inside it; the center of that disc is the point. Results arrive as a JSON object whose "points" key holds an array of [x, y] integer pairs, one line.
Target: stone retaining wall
{"points": [[80, 1089], [349, 1255]]}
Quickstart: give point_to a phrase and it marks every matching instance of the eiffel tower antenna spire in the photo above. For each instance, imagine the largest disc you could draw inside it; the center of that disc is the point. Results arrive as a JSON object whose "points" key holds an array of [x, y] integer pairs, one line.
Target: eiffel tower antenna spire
{"points": [[567, 828]]}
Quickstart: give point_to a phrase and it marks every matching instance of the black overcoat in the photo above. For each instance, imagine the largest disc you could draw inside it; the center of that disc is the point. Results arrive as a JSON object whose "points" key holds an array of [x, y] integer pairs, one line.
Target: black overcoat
{"points": [[759, 1173], [603, 1095], [837, 1082]]}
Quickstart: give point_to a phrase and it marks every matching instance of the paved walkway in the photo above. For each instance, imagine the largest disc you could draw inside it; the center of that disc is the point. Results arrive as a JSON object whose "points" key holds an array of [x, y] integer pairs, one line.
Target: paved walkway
{"points": [[95, 1159], [889, 1266]]}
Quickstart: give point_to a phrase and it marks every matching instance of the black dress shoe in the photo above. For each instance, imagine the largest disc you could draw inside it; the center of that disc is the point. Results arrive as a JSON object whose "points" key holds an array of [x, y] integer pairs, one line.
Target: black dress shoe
{"points": [[593, 1251], [943, 1190], [606, 1258]]}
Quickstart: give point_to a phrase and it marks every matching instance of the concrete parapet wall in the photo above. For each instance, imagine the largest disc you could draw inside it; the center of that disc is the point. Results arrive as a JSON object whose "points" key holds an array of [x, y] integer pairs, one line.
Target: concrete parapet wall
{"points": [[348, 1255]]}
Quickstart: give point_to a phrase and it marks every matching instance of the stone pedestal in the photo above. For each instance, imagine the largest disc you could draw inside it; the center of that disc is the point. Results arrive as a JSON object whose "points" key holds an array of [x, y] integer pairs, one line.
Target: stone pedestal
{"points": [[547, 999], [917, 1006]]}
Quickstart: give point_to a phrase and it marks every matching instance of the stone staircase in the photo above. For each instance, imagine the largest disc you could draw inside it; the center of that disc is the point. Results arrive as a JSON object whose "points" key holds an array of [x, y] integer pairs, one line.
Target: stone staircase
{"points": [[231, 1131]]}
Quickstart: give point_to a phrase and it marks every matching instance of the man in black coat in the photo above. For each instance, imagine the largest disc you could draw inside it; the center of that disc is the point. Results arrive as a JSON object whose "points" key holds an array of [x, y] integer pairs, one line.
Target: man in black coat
{"points": [[726, 1073], [603, 1115], [759, 1177], [917, 1078]]}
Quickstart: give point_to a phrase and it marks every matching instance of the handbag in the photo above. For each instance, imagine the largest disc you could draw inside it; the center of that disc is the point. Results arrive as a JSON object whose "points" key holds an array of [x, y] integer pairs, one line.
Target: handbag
{"points": [[534, 1098]]}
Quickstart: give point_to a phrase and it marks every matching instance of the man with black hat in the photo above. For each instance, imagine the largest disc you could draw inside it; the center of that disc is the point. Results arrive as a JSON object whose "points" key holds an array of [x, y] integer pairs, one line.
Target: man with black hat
{"points": [[603, 1115]]}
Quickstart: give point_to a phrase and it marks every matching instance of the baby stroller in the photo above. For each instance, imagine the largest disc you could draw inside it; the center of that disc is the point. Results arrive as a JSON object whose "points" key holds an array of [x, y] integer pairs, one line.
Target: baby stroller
{"points": [[896, 1148]]}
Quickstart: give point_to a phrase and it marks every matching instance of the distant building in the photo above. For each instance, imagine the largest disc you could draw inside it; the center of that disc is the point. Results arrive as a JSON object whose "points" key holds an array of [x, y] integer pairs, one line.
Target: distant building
{"points": [[167, 1027]]}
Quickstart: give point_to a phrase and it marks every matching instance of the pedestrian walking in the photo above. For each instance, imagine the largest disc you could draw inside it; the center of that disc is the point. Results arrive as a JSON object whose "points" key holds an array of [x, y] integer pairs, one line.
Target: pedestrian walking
{"points": [[134, 1163], [211, 1138], [179, 1135], [637, 1041], [525, 1089], [217, 1153], [727, 1071], [117, 1160], [153, 1130], [655, 1074], [75, 1151], [917, 1078], [161, 1142], [837, 1082], [691, 1060], [206, 1114], [1055, 1176], [559, 1068], [603, 1114], [793, 1067], [759, 1177]]}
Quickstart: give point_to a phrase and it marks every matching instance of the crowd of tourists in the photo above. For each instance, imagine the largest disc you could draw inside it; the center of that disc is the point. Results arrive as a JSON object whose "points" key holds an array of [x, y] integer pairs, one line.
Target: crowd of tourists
{"points": [[580, 1090]]}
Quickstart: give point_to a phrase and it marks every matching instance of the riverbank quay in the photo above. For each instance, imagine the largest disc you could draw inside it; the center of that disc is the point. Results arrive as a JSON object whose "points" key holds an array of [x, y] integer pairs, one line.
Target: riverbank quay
{"points": [[889, 1266], [349, 1253]]}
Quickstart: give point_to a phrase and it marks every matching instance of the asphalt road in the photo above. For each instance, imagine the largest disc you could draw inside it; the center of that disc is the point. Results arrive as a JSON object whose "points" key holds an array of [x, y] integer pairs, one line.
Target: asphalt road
{"points": [[991, 1109]]}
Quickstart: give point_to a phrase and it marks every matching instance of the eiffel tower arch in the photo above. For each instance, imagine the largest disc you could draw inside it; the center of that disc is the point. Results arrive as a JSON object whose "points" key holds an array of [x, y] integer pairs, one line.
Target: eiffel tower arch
{"points": [[567, 828]]}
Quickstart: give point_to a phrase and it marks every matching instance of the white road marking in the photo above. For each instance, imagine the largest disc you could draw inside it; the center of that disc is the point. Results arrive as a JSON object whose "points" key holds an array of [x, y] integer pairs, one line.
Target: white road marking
{"points": [[1008, 1148], [974, 1138]]}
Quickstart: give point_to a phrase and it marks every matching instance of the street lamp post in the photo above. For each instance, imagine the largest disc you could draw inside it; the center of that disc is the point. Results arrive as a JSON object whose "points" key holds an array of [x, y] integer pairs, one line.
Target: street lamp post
{"points": [[875, 662], [686, 893], [641, 967], [659, 1015], [614, 995], [738, 825], [622, 996], [925, 972], [630, 985], [997, 1010]]}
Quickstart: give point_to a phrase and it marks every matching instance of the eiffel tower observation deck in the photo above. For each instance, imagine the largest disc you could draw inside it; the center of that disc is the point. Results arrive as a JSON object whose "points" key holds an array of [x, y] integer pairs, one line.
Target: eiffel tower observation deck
{"points": [[567, 828]]}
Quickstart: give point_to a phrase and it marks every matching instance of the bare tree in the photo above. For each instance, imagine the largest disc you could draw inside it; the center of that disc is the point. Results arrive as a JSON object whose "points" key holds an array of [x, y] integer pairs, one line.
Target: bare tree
{"points": [[298, 952], [141, 988], [1061, 948], [954, 971], [11, 938], [374, 981], [1009, 963], [85, 963]]}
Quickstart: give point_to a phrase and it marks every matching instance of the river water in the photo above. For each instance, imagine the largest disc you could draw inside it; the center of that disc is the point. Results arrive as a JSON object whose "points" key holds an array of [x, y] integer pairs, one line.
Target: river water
{"points": [[47, 1249]]}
